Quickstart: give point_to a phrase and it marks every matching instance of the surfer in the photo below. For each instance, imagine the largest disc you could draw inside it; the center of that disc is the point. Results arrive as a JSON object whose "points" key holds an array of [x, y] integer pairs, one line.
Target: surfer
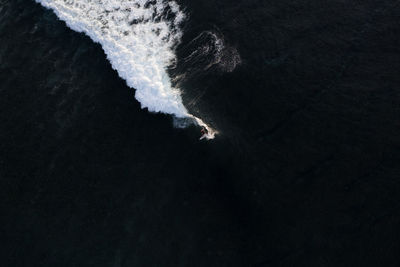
{"points": [[204, 133]]}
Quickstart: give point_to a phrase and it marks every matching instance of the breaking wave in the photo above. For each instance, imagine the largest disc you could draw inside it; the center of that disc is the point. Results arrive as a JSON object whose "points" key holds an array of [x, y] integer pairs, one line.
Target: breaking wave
{"points": [[139, 38]]}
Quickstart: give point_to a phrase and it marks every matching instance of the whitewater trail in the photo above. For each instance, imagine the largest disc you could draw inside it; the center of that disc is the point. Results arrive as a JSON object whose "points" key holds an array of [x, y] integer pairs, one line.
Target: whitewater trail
{"points": [[139, 38]]}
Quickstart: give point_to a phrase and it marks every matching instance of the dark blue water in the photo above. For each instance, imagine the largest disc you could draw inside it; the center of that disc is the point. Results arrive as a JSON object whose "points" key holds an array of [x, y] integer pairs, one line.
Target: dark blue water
{"points": [[304, 171]]}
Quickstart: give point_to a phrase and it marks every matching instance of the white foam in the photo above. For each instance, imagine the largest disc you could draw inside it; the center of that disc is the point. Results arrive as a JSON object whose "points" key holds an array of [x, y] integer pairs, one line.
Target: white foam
{"points": [[139, 38]]}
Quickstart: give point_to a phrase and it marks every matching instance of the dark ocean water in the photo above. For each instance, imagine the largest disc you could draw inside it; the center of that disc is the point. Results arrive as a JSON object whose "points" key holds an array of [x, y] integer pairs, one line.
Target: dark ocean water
{"points": [[305, 170]]}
